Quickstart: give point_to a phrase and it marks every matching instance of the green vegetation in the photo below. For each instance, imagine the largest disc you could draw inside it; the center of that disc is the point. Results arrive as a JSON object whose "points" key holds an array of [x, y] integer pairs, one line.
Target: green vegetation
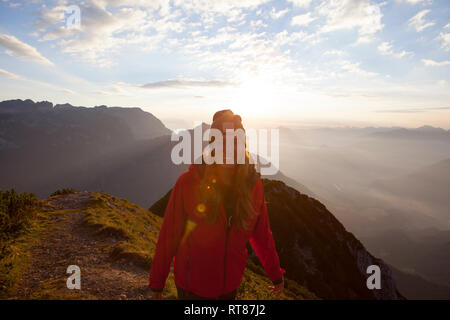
{"points": [[18, 213], [22, 223], [56, 290], [135, 228], [15, 212], [61, 192]]}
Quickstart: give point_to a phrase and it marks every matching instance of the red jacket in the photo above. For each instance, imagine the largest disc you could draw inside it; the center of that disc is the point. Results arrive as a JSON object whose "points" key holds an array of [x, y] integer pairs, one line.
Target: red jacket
{"points": [[208, 260]]}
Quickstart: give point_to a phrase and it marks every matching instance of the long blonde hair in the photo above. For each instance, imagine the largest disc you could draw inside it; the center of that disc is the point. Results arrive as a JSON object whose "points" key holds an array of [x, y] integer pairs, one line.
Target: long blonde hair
{"points": [[244, 174], [212, 196]]}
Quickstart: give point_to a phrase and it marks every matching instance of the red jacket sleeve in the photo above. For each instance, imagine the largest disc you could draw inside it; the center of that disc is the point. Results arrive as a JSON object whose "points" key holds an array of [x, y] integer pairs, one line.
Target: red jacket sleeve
{"points": [[264, 245], [169, 237]]}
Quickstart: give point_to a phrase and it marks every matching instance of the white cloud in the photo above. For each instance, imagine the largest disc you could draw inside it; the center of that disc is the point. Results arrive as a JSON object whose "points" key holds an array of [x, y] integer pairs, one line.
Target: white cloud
{"points": [[385, 48], [16, 47], [257, 24], [238, 55], [447, 26], [301, 3], [334, 52], [445, 38], [354, 67], [222, 6], [14, 76], [284, 37], [153, 4], [14, 4], [68, 91], [186, 83], [209, 10], [119, 89], [9, 74], [364, 39], [302, 20], [419, 23], [432, 63], [416, 1], [49, 17], [278, 14], [103, 33], [352, 14]]}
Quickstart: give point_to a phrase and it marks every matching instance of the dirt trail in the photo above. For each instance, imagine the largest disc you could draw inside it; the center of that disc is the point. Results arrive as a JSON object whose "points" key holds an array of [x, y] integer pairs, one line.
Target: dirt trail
{"points": [[68, 242]]}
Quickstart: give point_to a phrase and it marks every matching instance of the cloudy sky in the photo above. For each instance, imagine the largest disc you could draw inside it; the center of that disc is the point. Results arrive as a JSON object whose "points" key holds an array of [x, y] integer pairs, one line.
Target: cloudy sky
{"points": [[338, 62]]}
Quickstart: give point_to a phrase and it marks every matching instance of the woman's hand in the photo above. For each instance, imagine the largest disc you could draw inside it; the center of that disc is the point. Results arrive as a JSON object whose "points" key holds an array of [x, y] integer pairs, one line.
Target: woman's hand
{"points": [[278, 288], [153, 295]]}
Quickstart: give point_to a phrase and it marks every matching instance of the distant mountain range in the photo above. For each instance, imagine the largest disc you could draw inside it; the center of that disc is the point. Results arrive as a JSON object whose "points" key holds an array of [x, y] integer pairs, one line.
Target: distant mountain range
{"points": [[427, 254], [429, 184], [123, 151], [45, 147], [424, 132], [378, 181], [415, 287], [141, 124]]}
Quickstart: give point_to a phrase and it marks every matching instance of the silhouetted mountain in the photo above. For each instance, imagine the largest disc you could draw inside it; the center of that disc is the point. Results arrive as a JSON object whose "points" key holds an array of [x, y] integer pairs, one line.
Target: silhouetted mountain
{"points": [[143, 124], [314, 247], [422, 252], [413, 286], [291, 183], [44, 148], [141, 173], [428, 184], [424, 132]]}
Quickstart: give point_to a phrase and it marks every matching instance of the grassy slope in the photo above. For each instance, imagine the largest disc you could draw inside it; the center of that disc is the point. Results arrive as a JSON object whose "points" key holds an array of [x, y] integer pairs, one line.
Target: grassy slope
{"points": [[17, 258]]}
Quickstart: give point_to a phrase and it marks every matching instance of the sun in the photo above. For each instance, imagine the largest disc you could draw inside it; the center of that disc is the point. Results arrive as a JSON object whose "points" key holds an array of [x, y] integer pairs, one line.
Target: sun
{"points": [[255, 96]]}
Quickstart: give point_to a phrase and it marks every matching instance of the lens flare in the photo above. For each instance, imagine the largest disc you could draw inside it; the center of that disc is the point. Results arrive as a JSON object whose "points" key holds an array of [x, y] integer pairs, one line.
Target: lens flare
{"points": [[201, 207], [190, 225]]}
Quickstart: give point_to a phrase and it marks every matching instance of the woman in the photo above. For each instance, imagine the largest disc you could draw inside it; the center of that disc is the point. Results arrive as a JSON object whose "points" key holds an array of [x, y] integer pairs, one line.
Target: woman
{"points": [[213, 211]]}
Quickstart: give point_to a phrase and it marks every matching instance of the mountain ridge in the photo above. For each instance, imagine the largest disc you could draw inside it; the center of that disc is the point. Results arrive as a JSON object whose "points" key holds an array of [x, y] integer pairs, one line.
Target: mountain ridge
{"points": [[88, 149]]}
